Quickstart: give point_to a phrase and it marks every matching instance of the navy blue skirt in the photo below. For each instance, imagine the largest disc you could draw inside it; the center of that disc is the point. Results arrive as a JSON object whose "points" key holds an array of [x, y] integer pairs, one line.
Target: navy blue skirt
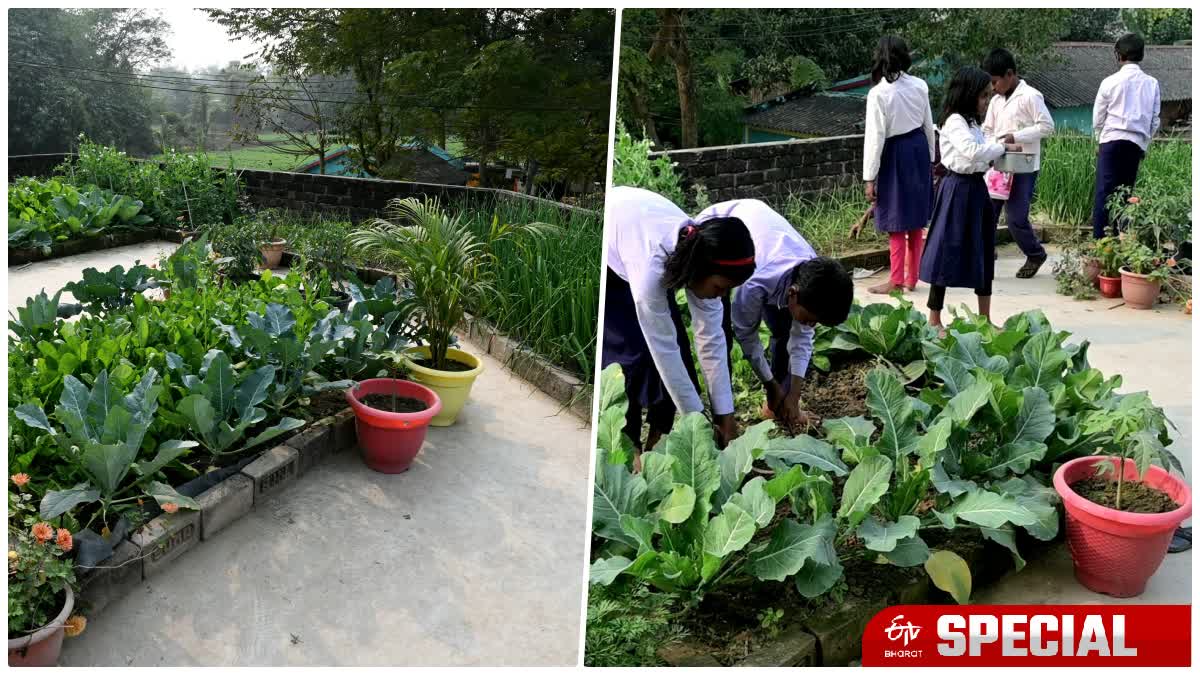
{"points": [[962, 236], [904, 186], [625, 344]]}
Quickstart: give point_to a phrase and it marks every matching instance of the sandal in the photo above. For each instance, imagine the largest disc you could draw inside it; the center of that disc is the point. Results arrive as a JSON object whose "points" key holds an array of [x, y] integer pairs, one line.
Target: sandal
{"points": [[1031, 267], [1181, 540], [884, 288]]}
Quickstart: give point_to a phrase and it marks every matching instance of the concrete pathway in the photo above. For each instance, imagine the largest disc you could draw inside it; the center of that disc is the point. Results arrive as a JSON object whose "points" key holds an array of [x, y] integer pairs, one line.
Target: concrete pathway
{"points": [[475, 556], [25, 281], [1150, 349]]}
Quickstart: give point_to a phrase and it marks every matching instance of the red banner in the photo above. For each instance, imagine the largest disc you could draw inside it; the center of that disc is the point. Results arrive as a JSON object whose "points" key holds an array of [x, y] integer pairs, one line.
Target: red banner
{"points": [[1029, 635]]}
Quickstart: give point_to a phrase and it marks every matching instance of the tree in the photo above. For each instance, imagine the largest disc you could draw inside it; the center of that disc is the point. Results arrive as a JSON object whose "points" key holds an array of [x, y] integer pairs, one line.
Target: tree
{"points": [[1159, 26], [1093, 25], [524, 86], [72, 71], [670, 43], [294, 110]]}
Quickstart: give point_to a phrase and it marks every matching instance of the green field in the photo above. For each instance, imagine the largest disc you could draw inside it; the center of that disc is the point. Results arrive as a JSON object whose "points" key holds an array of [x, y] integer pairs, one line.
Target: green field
{"points": [[269, 159]]}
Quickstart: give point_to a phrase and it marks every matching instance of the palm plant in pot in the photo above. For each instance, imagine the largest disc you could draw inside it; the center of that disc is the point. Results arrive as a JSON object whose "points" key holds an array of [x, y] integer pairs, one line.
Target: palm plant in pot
{"points": [[41, 583], [448, 269], [1109, 254], [1123, 503]]}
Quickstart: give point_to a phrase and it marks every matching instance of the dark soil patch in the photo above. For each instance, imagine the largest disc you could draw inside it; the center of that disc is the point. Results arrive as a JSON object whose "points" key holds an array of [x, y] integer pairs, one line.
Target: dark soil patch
{"points": [[450, 366], [395, 404], [326, 403], [727, 625], [839, 393], [1136, 497]]}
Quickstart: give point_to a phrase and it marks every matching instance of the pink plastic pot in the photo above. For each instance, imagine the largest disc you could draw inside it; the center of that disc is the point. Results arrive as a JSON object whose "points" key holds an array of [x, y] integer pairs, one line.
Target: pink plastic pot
{"points": [[390, 441], [42, 647], [1115, 552]]}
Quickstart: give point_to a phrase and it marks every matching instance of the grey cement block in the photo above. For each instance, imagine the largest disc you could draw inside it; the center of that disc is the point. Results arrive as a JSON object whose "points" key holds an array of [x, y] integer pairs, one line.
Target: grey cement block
{"points": [[313, 444], [344, 432], [165, 538], [685, 655], [225, 503], [112, 579], [839, 634], [794, 647], [274, 470]]}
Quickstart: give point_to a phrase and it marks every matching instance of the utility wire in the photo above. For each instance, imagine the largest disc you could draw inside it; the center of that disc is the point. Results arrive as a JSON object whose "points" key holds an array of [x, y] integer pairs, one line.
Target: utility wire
{"points": [[343, 102]]}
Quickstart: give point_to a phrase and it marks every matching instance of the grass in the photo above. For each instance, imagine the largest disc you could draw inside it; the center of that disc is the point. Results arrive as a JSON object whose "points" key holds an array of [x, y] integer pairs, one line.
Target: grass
{"points": [[824, 220], [550, 288], [1068, 176]]}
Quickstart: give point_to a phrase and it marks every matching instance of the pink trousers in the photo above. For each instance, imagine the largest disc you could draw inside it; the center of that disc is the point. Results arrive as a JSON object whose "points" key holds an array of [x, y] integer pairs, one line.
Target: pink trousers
{"points": [[906, 245]]}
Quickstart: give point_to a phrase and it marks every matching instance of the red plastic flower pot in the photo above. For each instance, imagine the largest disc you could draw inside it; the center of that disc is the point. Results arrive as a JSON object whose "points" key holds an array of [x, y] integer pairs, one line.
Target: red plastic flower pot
{"points": [[1110, 287], [1116, 552], [390, 441]]}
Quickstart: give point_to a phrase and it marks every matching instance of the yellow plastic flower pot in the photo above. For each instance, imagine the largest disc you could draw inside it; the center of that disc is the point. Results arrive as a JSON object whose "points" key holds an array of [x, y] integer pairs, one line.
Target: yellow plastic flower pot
{"points": [[453, 387]]}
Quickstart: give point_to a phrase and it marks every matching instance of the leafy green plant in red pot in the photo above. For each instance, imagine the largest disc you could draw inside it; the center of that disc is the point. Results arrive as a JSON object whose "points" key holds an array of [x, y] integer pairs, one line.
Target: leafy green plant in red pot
{"points": [[41, 580], [1108, 253], [392, 416], [1143, 274], [1121, 509]]}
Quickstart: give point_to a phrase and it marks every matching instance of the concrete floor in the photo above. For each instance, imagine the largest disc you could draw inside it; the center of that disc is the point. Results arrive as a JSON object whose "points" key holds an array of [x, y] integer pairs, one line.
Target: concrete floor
{"points": [[25, 281], [475, 556], [1151, 350]]}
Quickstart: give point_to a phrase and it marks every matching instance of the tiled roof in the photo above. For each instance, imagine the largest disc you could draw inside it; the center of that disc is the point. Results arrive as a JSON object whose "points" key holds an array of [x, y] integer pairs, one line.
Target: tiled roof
{"points": [[1076, 69], [815, 115]]}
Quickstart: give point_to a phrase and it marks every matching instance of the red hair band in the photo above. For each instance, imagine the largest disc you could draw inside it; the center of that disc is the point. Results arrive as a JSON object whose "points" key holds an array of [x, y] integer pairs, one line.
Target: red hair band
{"points": [[735, 263]]}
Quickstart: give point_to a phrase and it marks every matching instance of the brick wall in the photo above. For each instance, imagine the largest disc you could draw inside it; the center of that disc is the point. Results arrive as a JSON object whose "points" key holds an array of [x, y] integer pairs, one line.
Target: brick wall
{"points": [[771, 171], [355, 198]]}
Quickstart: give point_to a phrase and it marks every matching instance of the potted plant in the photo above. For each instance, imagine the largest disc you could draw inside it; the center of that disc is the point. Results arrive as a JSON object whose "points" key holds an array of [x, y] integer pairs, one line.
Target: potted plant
{"points": [[1108, 253], [41, 580], [272, 246], [1120, 522], [1143, 274], [447, 268], [392, 416]]}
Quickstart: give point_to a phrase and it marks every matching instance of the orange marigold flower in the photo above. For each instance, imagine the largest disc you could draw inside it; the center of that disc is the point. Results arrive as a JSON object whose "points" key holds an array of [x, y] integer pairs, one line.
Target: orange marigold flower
{"points": [[64, 539], [1135, 200], [20, 479], [75, 625], [43, 532], [170, 507], [1171, 262]]}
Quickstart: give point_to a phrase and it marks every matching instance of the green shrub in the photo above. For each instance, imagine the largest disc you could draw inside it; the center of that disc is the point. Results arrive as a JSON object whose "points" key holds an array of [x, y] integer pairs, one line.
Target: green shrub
{"points": [[632, 166]]}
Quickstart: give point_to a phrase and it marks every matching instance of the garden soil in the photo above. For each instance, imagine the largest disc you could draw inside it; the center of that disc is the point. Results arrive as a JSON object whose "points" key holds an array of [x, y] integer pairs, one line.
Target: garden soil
{"points": [[397, 404], [451, 366], [1136, 497], [839, 393]]}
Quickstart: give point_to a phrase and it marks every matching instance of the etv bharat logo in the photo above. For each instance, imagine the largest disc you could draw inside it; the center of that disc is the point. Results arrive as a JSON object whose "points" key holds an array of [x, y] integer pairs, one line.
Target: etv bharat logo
{"points": [[902, 631]]}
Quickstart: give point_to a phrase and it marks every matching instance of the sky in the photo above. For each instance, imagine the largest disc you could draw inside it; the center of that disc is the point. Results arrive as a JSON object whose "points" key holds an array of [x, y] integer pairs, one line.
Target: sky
{"points": [[198, 42]]}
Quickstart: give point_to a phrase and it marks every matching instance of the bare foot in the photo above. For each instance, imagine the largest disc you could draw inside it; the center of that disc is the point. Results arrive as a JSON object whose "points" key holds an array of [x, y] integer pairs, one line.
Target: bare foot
{"points": [[883, 288]]}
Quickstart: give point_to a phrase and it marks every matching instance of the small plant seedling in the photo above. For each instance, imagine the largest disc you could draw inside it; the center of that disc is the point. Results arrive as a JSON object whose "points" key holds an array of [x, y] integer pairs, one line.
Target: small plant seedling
{"points": [[771, 621]]}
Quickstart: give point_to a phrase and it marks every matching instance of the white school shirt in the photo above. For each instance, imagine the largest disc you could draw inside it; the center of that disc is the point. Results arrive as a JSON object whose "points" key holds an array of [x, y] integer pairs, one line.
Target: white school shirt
{"points": [[778, 248], [1127, 108], [642, 230], [964, 147], [1024, 115], [893, 109]]}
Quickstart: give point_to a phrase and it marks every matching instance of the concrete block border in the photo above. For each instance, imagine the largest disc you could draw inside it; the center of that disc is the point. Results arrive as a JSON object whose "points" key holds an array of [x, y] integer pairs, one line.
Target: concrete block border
{"points": [[23, 256], [168, 537], [835, 639]]}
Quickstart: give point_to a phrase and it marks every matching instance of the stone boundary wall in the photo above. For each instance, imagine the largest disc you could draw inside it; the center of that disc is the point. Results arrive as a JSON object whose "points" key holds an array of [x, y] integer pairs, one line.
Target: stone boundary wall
{"points": [[357, 199], [771, 171]]}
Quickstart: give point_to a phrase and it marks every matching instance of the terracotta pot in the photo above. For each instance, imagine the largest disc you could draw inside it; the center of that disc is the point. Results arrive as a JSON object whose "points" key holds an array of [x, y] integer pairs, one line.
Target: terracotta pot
{"points": [[1091, 270], [390, 441], [1110, 287], [1138, 290], [1116, 552], [42, 647], [273, 253]]}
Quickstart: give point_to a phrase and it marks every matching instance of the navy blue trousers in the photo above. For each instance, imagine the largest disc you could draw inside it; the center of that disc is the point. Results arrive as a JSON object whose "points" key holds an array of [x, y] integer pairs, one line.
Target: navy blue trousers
{"points": [[1116, 166], [1016, 209]]}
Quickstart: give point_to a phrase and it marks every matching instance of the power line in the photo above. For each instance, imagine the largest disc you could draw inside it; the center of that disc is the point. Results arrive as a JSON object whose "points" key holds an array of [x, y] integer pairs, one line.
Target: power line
{"points": [[344, 102]]}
